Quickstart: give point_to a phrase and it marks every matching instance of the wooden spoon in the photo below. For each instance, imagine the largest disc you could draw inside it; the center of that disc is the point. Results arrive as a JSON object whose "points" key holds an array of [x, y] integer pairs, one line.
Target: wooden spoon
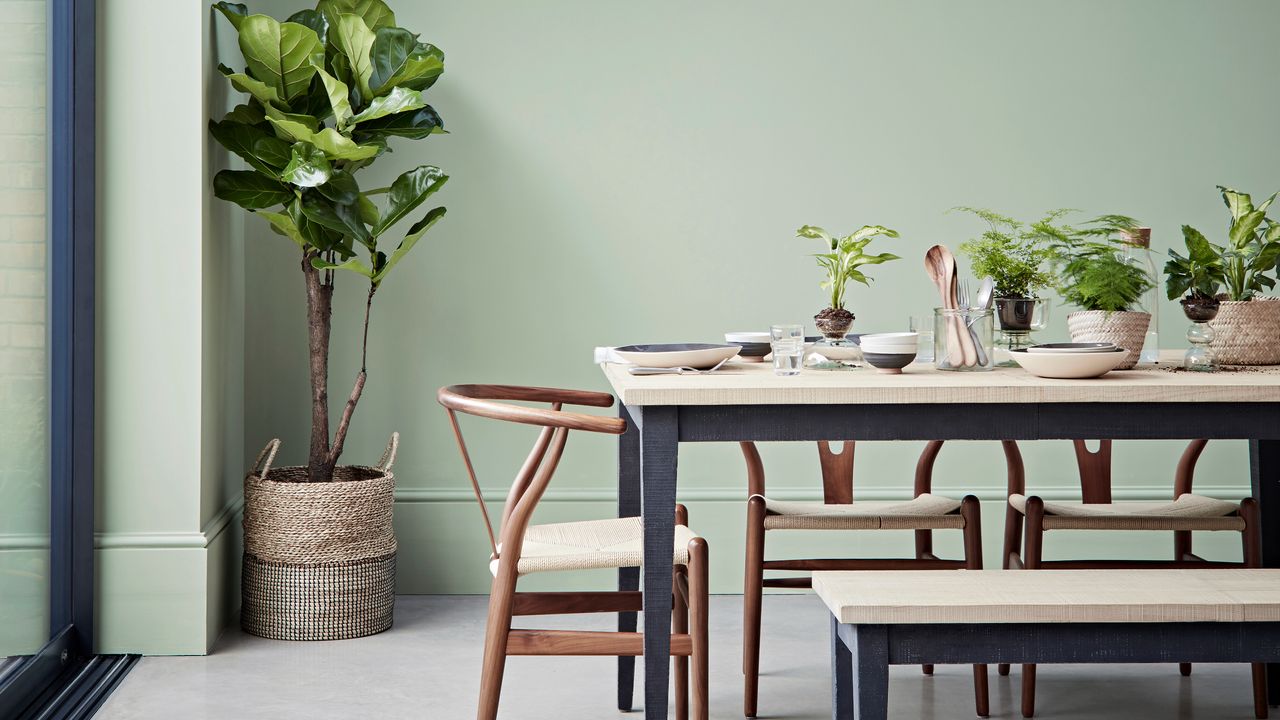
{"points": [[942, 273], [967, 346]]}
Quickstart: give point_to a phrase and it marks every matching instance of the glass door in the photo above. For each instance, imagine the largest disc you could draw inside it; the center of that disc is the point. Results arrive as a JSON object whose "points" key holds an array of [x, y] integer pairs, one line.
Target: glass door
{"points": [[46, 357]]}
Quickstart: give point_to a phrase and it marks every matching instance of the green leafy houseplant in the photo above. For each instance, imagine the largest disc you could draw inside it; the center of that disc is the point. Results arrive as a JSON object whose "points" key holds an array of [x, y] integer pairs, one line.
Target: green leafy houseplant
{"points": [[327, 91], [845, 255], [1093, 272], [1196, 275], [1015, 254], [1251, 251]]}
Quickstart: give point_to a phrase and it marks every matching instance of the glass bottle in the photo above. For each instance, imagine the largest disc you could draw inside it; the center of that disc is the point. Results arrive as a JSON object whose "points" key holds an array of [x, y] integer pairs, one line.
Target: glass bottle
{"points": [[1137, 251]]}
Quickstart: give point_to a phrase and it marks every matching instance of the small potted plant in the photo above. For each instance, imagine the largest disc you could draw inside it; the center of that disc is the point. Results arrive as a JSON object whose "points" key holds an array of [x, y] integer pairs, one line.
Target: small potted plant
{"points": [[1096, 276], [1247, 326], [1016, 256], [1195, 279], [841, 261]]}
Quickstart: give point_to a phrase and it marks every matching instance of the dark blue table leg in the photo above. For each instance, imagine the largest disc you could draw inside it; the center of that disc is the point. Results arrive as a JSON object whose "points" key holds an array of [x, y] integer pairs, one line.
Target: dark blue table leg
{"points": [[841, 675], [659, 445], [1264, 461], [870, 652], [628, 578]]}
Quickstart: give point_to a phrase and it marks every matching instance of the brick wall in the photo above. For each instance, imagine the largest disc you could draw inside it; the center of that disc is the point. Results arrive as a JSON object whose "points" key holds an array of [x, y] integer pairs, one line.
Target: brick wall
{"points": [[23, 379]]}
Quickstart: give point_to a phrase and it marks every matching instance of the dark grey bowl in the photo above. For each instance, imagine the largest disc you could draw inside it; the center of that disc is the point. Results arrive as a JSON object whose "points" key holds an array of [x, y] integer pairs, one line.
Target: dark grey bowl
{"points": [[753, 349], [888, 363]]}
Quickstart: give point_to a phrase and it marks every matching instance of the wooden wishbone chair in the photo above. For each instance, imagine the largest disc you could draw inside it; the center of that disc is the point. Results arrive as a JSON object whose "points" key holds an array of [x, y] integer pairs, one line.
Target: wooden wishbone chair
{"points": [[924, 513], [519, 548], [1096, 511]]}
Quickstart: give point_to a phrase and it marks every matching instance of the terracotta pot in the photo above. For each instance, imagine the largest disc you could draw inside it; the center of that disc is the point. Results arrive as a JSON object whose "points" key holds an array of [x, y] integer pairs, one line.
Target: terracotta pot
{"points": [[1125, 328], [1247, 332]]}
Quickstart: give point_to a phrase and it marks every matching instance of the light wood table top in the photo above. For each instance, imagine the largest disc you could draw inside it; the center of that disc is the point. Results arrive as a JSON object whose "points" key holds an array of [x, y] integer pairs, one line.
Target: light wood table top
{"points": [[1050, 596], [755, 384]]}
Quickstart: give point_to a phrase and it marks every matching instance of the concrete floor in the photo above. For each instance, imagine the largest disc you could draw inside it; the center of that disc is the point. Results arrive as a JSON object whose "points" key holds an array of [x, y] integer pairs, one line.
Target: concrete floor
{"points": [[427, 666]]}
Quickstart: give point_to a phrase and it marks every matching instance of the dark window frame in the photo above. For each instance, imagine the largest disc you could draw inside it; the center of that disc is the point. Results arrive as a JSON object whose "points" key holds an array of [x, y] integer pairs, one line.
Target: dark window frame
{"points": [[70, 308]]}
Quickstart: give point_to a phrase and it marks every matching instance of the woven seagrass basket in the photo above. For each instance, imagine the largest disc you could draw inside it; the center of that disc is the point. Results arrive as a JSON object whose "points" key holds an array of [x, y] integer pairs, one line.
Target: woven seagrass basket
{"points": [[1247, 332], [1125, 328], [319, 558]]}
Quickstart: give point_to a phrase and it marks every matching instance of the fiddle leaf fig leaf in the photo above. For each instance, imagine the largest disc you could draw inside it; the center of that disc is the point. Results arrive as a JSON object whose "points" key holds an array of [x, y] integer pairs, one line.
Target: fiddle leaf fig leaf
{"points": [[368, 211], [352, 265], [291, 126], [235, 13], [408, 192], [411, 238], [340, 147], [339, 98], [308, 166], [250, 189], [284, 225], [262, 92], [343, 190], [374, 13], [318, 23], [342, 218], [415, 125], [354, 40], [399, 100], [263, 151], [246, 115], [399, 60], [282, 55]]}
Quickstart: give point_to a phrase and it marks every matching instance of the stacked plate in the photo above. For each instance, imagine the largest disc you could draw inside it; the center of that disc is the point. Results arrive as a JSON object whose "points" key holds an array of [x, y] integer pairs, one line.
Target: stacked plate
{"points": [[1069, 360]]}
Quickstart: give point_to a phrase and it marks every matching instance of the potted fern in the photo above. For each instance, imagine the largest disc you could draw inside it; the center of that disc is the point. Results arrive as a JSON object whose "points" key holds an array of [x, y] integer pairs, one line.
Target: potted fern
{"points": [[1097, 276], [1247, 325], [1016, 256], [327, 91], [842, 260]]}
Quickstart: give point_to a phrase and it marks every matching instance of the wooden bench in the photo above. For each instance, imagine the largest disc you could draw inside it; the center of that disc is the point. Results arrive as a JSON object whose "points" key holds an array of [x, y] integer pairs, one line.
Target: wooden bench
{"points": [[880, 619]]}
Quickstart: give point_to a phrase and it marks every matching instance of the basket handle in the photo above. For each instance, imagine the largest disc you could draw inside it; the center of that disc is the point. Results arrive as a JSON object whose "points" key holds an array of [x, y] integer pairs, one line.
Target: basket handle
{"points": [[389, 457], [262, 465]]}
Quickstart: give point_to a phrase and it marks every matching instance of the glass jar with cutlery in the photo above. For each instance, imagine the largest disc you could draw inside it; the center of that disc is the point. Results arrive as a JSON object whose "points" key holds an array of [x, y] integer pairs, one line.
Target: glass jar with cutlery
{"points": [[963, 339]]}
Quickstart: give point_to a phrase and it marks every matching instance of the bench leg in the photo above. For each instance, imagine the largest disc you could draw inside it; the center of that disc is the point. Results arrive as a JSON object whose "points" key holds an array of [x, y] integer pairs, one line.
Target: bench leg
{"points": [[859, 672]]}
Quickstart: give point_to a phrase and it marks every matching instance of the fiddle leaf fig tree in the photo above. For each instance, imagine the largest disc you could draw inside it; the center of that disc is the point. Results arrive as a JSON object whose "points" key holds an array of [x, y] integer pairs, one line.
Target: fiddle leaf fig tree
{"points": [[326, 91]]}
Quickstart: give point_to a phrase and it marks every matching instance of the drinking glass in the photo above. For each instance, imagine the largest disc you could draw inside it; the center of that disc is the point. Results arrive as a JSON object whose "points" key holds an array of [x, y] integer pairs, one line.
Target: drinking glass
{"points": [[923, 327], [788, 348]]}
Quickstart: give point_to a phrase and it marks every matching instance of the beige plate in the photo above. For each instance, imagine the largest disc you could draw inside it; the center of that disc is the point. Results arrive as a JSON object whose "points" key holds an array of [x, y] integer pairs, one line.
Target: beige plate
{"points": [[1069, 365]]}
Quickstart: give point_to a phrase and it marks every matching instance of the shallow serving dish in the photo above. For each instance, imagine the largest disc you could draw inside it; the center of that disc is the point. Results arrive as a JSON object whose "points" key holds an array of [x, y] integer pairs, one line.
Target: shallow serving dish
{"points": [[1064, 348], [668, 355], [1069, 365]]}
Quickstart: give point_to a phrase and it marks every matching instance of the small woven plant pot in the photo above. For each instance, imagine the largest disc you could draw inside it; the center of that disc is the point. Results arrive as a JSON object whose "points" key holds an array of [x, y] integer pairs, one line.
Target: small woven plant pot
{"points": [[319, 558], [1247, 332], [1125, 328]]}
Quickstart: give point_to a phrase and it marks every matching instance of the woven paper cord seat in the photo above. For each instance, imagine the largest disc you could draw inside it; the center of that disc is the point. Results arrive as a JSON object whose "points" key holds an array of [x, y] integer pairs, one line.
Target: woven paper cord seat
{"points": [[590, 545], [924, 512], [1188, 512]]}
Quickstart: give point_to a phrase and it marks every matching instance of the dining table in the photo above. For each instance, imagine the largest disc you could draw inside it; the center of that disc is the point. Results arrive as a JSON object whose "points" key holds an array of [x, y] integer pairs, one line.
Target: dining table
{"points": [[748, 402]]}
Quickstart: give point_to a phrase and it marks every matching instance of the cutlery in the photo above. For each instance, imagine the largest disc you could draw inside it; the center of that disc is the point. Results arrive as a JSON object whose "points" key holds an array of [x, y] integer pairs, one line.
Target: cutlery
{"points": [[675, 370], [943, 275], [966, 307]]}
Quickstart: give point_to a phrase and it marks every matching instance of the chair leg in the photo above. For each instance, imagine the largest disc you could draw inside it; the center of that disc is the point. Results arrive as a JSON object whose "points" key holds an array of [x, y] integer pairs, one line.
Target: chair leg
{"points": [[752, 600], [1031, 561], [1184, 669], [680, 625], [497, 627], [924, 549], [971, 511], [1259, 690], [698, 617]]}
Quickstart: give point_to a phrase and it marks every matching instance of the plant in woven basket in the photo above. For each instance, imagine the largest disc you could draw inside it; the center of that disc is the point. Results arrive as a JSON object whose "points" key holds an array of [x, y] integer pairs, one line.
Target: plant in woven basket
{"points": [[327, 90], [1015, 254], [1093, 271], [1242, 264], [841, 261]]}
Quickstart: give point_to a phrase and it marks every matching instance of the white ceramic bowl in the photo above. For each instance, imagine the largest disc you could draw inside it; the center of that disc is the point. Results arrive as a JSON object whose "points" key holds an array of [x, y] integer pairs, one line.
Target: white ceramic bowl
{"points": [[1062, 348], [1069, 365], [890, 343], [694, 355], [747, 337]]}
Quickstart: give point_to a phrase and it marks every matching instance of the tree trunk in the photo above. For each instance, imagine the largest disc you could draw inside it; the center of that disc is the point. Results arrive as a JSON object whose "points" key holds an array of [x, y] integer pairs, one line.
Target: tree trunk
{"points": [[319, 324]]}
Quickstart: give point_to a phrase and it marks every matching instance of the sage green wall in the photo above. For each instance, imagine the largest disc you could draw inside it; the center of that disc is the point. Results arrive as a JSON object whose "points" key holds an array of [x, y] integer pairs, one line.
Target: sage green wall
{"points": [[170, 332], [630, 172]]}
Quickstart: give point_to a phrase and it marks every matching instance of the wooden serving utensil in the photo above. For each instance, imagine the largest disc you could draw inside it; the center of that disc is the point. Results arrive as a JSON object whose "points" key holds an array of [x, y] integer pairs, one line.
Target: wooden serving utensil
{"points": [[942, 273], [967, 346]]}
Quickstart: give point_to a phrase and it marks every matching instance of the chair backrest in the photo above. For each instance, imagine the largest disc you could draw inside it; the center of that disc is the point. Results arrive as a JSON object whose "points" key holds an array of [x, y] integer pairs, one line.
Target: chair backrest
{"points": [[494, 402], [837, 470], [1095, 469]]}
